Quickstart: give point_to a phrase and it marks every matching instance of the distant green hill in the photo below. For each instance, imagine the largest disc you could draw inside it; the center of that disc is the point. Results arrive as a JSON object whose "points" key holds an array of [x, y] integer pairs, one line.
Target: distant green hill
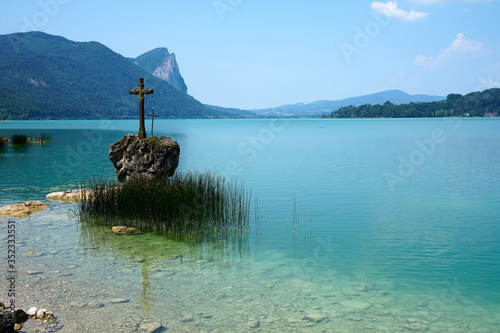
{"points": [[49, 77], [475, 104], [233, 111]]}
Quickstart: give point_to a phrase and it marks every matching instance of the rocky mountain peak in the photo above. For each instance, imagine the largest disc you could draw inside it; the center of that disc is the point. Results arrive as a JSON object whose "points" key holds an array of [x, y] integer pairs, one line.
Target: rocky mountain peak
{"points": [[163, 65]]}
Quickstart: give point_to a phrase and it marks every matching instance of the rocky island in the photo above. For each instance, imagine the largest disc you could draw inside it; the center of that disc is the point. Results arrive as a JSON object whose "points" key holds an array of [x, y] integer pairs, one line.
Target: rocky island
{"points": [[154, 156]]}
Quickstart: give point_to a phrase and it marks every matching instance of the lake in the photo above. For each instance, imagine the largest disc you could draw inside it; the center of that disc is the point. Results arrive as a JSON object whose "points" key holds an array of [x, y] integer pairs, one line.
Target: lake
{"points": [[365, 225]]}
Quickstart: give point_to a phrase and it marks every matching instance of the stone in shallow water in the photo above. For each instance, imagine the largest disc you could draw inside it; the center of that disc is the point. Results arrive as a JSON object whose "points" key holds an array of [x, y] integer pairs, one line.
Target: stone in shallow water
{"points": [[416, 326], [118, 300], [253, 323], [138, 260], [302, 283], [204, 315], [95, 305], [77, 305], [350, 293], [123, 230], [23, 209], [174, 256], [356, 304], [316, 317], [40, 313], [150, 327], [32, 311]]}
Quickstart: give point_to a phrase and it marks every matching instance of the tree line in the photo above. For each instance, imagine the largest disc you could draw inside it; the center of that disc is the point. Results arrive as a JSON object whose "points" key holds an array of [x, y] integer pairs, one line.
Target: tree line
{"points": [[475, 104]]}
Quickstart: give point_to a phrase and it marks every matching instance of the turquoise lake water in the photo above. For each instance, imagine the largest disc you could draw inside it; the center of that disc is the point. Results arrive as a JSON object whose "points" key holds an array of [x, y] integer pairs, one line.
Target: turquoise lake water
{"points": [[398, 228]]}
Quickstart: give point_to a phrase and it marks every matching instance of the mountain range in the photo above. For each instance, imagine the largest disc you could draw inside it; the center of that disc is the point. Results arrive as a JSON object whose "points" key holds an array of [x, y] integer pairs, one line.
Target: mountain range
{"points": [[322, 107], [50, 77]]}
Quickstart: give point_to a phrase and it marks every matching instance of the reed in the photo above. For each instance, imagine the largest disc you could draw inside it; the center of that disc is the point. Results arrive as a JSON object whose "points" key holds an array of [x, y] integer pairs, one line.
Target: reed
{"points": [[189, 206], [19, 140], [43, 138]]}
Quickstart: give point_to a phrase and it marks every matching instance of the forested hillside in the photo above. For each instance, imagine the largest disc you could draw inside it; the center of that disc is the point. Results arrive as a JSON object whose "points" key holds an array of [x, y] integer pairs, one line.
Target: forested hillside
{"points": [[49, 77], [475, 104]]}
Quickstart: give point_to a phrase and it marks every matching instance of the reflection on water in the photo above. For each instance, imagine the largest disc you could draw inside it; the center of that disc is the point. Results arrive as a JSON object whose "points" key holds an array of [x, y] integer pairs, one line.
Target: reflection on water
{"points": [[152, 251]]}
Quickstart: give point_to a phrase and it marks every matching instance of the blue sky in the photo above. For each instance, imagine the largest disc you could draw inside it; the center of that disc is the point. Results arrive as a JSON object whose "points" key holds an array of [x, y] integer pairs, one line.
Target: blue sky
{"points": [[256, 54]]}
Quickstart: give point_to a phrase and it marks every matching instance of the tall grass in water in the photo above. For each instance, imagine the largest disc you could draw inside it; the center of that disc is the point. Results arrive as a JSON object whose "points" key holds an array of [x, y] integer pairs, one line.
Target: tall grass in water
{"points": [[19, 140], [301, 229], [189, 206], [43, 138]]}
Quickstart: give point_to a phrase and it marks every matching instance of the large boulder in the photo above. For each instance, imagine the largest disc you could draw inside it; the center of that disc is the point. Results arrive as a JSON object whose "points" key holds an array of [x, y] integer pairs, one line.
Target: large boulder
{"points": [[153, 156], [23, 209], [12, 321]]}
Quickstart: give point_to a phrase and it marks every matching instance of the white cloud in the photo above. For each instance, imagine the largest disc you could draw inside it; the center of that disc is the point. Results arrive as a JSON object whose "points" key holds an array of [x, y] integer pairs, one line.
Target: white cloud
{"points": [[391, 9], [422, 60], [462, 45], [459, 46], [489, 83]]}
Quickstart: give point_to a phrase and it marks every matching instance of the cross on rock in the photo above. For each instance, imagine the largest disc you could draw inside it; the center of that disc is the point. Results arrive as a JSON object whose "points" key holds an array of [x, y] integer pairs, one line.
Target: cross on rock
{"points": [[141, 92], [153, 116]]}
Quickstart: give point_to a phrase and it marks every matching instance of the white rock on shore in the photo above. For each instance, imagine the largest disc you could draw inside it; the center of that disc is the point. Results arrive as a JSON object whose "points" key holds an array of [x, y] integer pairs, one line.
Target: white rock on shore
{"points": [[70, 196]]}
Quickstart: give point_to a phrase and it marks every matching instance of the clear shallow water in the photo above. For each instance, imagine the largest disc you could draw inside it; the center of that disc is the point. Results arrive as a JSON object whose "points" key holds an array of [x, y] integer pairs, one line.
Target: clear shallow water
{"points": [[399, 226]]}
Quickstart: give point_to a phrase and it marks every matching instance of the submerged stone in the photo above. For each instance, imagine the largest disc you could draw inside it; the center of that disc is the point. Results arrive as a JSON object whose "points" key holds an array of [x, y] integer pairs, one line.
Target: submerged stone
{"points": [[95, 305], [154, 156], [356, 304], [122, 230], [23, 209], [416, 325], [316, 317], [150, 327], [77, 305], [303, 284], [118, 300], [253, 323]]}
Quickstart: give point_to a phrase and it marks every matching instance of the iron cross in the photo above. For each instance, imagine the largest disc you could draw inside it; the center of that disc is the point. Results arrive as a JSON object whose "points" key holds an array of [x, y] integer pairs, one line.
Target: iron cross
{"points": [[152, 120], [141, 92]]}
